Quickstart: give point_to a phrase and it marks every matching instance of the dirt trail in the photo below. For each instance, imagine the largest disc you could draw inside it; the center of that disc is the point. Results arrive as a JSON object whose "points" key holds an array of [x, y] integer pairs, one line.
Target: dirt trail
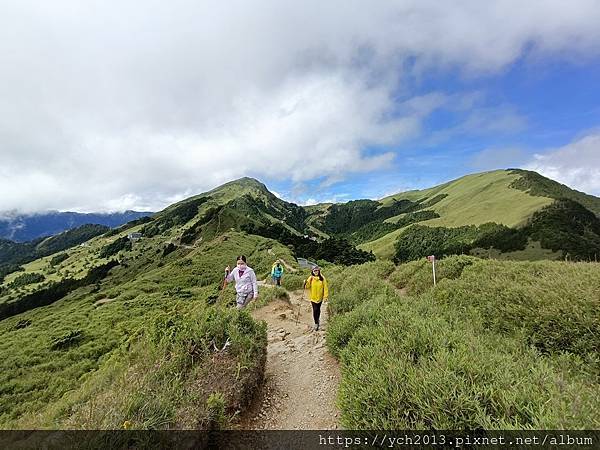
{"points": [[301, 377]]}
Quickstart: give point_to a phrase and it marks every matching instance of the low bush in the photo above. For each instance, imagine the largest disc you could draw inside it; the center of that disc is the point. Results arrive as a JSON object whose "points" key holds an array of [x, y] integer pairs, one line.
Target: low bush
{"points": [[66, 340], [357, 284], [56, 260], [416, 277], [25, 279], [267, 295], [294, 281], [496, 345], [122, 243]]}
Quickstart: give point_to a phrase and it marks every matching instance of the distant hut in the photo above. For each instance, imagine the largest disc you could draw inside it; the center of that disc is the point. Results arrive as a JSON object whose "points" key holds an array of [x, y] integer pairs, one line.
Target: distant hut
{"points": [[134, 236]]}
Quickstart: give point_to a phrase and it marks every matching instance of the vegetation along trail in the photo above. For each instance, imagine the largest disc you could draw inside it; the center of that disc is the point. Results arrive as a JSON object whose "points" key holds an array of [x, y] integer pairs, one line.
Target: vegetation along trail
{"points": [[301, 377]]}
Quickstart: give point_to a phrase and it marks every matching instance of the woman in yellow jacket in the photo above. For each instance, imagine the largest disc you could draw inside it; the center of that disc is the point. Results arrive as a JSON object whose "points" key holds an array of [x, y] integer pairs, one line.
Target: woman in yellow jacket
{"points": [[317, 285]]}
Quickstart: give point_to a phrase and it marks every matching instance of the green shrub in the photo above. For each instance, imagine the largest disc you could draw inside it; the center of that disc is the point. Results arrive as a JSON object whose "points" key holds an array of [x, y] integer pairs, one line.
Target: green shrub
{"points": [[335, 250], [6, 269], [568, 226], [215, 405], [22, 323], [171, 375], [555, 304], [196, 336], [420, 241], [358, 284], [422, 373], [25, 279], [56, 260], [266, 295], [66, 340], [122, 243], [417, 276], [497, 345], [294, 281]]}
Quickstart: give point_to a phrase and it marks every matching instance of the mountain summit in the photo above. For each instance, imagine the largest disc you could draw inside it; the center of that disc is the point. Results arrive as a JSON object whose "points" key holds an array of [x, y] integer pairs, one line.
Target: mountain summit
{"points": [[504, 202], [130, 307]]}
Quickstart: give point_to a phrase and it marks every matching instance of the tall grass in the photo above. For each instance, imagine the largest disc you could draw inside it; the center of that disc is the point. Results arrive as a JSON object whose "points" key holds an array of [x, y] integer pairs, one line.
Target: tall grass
{"points": [[80, 351], [495, 345]]}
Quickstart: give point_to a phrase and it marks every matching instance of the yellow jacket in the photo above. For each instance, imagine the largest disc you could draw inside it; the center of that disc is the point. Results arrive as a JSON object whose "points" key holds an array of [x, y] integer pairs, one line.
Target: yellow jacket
{"points": [[318, 289]]}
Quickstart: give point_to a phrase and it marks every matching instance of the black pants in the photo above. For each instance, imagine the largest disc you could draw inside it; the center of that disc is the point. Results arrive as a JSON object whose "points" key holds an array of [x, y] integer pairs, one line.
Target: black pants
{"points": [[316, 311]]}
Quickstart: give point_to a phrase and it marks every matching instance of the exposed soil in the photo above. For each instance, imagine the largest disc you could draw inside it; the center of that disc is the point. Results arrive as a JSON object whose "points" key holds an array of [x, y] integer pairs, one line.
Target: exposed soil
{"points": [[102, 301], [301, 377]]}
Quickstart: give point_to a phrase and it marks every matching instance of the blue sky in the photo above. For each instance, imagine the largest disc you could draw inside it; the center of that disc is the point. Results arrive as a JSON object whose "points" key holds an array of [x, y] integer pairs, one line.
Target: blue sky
{"points": [[534, 107], [111, 106]]}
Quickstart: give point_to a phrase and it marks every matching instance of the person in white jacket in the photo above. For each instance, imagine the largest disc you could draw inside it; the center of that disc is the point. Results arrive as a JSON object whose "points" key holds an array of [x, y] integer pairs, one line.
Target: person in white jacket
{"points": [[246, 285]]}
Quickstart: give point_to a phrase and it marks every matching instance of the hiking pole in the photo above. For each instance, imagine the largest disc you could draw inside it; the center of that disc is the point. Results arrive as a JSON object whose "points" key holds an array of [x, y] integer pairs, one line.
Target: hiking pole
{"points": [[222, 288], [223, 285]]}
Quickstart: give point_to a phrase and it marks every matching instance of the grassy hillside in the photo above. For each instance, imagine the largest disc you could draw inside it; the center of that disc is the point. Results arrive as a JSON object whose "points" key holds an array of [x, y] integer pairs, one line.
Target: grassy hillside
{"points": [[124, 331], [118, 332], [496, 345], [72, 364], [242, 205], [480, 198], [383, 247], [259, 203], [535, 184], [503, 197], [23, 252]]}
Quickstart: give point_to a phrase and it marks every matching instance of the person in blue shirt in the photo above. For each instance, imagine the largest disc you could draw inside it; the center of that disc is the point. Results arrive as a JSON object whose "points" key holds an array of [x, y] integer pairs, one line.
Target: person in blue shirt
{"points": [[277, 273]]}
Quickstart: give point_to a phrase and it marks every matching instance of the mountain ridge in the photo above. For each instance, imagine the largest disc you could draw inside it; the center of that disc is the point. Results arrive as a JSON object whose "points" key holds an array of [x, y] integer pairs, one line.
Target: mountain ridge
{"points": [[508, 197], [19, 227], [119, 315]]}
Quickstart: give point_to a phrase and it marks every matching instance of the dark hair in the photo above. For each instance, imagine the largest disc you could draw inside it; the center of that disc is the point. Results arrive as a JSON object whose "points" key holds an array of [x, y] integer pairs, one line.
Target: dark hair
{"points": [[320, 276], [242, 257]]}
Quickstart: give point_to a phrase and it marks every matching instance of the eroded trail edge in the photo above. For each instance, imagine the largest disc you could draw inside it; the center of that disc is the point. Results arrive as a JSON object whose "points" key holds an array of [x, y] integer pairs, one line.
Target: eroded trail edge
{"points": [[301, 376]]}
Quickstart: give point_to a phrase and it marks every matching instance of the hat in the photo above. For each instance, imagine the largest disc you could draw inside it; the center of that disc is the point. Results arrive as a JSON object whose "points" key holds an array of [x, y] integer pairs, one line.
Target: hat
{"points": [[316, 268]]}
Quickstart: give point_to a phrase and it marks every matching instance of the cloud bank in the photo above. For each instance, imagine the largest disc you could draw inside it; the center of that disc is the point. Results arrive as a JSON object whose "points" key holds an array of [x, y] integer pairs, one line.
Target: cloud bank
{"points": [[576, 164], [123, 105]]}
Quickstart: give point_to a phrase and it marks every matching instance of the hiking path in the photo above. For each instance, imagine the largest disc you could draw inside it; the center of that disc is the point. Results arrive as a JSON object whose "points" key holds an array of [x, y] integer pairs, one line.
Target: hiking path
{"points": [[301, 376]]}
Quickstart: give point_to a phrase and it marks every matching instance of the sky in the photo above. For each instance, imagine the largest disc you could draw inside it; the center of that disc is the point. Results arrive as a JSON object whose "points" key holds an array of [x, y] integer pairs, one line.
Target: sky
{"points": [[107, 106]]}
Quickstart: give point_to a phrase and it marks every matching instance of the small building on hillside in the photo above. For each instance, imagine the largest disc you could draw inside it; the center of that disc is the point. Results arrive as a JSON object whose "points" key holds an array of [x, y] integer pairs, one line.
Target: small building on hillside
{"points": [[306, 264], [134, 236]]}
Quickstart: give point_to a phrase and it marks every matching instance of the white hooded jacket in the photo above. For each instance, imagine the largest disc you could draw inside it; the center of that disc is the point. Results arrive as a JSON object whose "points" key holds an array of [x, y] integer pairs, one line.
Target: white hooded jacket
{"points": [[245, 284]]}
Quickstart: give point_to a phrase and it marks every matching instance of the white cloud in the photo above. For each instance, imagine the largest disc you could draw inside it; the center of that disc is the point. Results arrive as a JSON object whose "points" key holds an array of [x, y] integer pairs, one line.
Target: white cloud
{"points": [[111, 105], [577, 164], [326, 199], [309, 202]]}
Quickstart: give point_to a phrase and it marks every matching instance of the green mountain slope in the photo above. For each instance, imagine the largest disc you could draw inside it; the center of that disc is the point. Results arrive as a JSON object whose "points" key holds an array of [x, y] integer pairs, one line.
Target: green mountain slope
{"points": [[13, 254], [535, 184], [123, 329], [232, 205], [504, 197], [154, 314], [494, 345], [149, 306], [480, 198]]}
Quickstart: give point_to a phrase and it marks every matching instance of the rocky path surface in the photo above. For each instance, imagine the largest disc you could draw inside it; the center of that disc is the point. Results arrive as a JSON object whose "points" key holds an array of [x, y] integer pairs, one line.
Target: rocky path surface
{"points": [[301, 377]]}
